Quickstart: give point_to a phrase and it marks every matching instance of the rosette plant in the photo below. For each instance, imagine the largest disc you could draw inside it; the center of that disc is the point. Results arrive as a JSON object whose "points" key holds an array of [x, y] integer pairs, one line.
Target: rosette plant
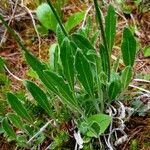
{"points": [[80, 77]]}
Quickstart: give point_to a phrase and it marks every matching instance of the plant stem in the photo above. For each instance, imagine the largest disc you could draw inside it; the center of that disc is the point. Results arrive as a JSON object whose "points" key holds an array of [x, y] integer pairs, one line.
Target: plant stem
{"points": [[15, 36], [99, 17], [57, 18]]}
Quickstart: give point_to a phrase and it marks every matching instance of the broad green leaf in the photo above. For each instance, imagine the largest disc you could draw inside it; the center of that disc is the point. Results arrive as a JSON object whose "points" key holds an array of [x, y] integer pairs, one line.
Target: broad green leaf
{"points": [[114, 89], [46, 17], [126, 77], [8, 129], [48, 84], [57, 61], [63, 89], [15, 120], [38, 67], [104, 62], [84, 72], [74, 20], [73, 48], [60, 35], [110, 27], [67, 60], [18, 107], [88, 26], [147, 51], [128, 47], [95, 130], [52, 55], [54, 58], [82, 42], [39, 95], [95, 125]]}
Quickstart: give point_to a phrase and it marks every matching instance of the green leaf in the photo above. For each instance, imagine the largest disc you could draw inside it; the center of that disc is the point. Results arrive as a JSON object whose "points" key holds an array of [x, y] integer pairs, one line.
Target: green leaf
{"points": [[63, 89], [39, 96], [8, 129], [54, 58], [114, 89], [96, 125], [128, 47], [67, 60], [57, 61], [82, 42], [18, 107], [104, 61], [84, 72], [126, 77], [38, 67], [48, 84], [34, 63], [60, 35], [88, 26], [110, 27], [74, 20], [46, 17], [15, 120], [147, 51], [52, 51], [102, 120]]}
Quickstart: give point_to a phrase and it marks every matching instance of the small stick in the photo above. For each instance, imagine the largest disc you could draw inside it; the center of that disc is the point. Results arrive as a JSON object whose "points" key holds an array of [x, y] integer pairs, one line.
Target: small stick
{"points": [[142, 81], [139, 88], [17, 78]]}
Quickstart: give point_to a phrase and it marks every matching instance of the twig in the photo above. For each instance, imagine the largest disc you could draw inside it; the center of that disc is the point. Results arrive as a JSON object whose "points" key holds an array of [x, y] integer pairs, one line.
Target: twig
{"points": [[17, 78], [141, 66], [84, 20], [7, 18], [40, 131], [126, 21], [139, 88], [142, 81]]}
